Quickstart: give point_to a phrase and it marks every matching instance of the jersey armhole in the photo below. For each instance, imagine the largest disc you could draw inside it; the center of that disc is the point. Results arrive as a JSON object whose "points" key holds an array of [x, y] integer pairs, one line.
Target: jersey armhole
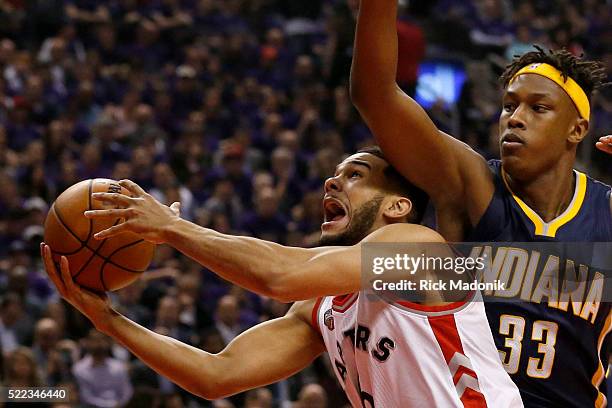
{"points": [[314, 319]]}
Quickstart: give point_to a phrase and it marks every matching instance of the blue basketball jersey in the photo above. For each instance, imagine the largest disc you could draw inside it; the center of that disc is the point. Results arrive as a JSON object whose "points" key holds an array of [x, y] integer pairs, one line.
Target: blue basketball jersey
{"points": [[555, 350]]}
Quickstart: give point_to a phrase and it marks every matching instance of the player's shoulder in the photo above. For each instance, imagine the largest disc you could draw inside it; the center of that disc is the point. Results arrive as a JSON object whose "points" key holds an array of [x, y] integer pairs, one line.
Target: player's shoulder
{"points": [[603, 188], [598, 184], [404, 232], [598, 189]]}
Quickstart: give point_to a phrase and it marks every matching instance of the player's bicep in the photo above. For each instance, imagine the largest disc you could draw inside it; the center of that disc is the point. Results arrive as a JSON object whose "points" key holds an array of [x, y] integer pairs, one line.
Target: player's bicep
{"points": [[269, 352]]}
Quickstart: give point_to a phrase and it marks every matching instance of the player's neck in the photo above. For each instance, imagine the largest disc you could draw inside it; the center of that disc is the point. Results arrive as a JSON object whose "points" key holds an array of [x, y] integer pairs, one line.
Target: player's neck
{"points": [[550, 193]]}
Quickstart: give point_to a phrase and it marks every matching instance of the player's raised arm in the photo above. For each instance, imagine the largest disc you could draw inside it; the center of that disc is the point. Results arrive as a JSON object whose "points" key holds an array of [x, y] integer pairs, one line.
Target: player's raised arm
{"points": [[445, 168], [262, 355]]}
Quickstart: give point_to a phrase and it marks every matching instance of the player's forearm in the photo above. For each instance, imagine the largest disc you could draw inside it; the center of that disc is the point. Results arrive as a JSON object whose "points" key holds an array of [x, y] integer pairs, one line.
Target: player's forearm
{"points": [[192, 369], [374, 69], [251, 263]]}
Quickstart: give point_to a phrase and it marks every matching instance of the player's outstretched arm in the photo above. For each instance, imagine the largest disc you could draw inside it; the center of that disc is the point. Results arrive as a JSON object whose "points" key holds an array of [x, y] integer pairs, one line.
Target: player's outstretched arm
{"points": [[283, 273], [605, 145], [262, 355], [447, 169]]}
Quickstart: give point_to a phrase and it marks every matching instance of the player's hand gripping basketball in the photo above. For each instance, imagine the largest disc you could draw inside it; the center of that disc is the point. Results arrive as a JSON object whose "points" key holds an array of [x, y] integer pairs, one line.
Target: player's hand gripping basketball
{"points": [[605, 144], [143, 214], [96, 306]]}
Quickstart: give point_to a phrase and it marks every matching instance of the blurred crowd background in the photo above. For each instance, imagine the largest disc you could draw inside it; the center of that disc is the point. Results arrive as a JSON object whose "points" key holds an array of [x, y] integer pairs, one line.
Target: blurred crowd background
{"points": [[239, 109]]}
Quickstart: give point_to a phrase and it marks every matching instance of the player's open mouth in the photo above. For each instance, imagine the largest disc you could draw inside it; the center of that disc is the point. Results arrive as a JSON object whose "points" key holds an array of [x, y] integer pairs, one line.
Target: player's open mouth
{"points": [[335, 213]]}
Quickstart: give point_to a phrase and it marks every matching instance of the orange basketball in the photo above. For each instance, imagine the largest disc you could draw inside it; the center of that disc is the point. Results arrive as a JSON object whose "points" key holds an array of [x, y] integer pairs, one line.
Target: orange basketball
{"points": [[100, 265]]}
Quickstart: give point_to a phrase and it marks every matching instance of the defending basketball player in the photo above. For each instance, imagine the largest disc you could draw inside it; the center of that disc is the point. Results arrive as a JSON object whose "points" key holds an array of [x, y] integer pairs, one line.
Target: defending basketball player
{"points": [[555, 357], [435, 353]]}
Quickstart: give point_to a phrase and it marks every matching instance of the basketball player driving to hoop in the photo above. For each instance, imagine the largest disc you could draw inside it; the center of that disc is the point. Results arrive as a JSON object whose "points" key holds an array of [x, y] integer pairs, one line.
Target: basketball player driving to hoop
{"points": [[385, 354]]}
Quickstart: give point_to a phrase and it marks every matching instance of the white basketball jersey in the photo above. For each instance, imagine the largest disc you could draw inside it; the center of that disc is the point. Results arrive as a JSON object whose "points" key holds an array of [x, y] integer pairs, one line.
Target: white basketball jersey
{"points": [[404, 355]]}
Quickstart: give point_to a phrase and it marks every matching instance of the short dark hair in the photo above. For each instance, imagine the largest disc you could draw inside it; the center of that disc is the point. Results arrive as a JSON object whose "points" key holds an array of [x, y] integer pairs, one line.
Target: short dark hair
{"points": [[396, 183], [590, 75]]}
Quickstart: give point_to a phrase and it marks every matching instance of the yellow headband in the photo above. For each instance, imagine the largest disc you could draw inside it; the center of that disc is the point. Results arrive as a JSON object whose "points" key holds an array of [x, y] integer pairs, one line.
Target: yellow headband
{"points": [[573, 90]]}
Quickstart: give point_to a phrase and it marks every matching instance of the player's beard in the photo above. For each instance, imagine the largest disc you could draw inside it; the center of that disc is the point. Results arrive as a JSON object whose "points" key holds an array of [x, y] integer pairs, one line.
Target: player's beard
{"points": [[359, 226]]}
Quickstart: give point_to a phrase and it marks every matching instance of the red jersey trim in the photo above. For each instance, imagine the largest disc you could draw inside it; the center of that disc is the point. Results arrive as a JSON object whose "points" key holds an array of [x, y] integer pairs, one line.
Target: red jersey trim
{"points": [[425, 308], [342, 303], [314, 319], [460, 368], [441, 308], [340, 300]]}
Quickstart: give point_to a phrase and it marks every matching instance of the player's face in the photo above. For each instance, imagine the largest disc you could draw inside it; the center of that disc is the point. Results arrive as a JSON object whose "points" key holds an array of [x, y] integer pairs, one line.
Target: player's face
{"points": [[352, 201], [536, 121]]}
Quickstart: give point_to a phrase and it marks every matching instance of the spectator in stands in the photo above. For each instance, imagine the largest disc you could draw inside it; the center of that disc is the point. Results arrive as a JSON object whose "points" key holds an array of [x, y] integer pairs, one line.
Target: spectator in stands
{"points": [[103, 380], [411, 50], [211, 340], [47, 354], [492, 31], [522, 42], [283, 166], [187, 293], [15, 325], [224, 201], [128, 303], [168, 317], [21, 369], [258, 398], [227, 318], [265, 222], [312, 396], [165, 183], [232, 168]]}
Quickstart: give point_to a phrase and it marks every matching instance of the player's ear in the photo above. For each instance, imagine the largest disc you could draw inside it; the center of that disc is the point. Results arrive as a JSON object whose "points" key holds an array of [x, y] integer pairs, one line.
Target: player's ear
{"points": [[579, 130], [398, 208]]}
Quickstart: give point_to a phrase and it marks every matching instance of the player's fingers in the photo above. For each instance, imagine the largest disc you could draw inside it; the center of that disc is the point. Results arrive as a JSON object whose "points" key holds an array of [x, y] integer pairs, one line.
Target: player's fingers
{"points": [[51, 269], [133, 187], [606, 139], [112, 231], [113, 213], [113, 198], [176, 207], [604, 147], [66, 276], [72, 291]]}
